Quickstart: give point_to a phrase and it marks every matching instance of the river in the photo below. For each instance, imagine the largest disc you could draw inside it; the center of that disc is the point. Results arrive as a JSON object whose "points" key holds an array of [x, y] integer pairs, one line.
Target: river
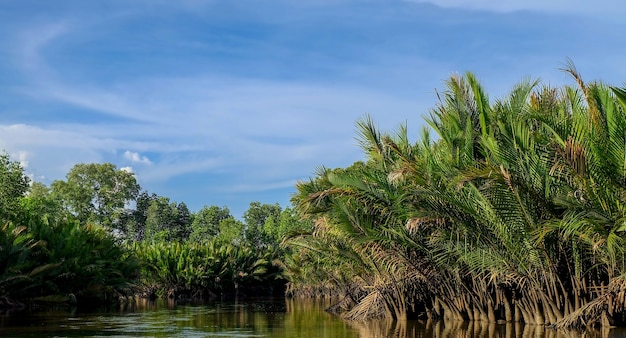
{"points": [[268, 318]]}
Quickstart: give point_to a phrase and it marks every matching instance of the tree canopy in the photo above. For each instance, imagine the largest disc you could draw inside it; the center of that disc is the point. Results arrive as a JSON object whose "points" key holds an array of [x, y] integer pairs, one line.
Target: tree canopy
{"points": [[14, 184], [96, 192]]}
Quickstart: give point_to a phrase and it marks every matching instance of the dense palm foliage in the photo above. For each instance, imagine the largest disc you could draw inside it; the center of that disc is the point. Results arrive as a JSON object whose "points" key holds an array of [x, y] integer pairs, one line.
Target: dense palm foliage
{"points": [[46, 255], [210, 269], [62, 262], [515, 212]]}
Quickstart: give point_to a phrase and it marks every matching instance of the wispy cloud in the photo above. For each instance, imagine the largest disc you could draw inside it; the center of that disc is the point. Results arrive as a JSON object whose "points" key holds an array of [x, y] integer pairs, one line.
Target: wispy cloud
{"points": [[32, 41], [594, 8], [261, 186], [256, 131], [215, 99]]}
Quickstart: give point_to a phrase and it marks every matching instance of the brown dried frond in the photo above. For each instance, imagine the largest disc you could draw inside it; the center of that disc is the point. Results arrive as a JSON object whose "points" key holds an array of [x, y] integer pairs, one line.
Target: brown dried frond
{"points": [[397, 176], [570, 68], [416, 224], [320, 195], [321, 227], [507, 177], [370, 307], [574, 155]]}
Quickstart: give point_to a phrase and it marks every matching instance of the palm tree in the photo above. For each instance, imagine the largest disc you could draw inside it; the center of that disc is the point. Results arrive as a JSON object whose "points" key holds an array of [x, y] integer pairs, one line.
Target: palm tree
{"points": [[516, 211]]}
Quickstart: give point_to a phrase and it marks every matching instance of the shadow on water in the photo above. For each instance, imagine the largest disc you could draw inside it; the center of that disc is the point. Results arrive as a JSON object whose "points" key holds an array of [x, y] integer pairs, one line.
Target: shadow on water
{"points": [[259, 318]]}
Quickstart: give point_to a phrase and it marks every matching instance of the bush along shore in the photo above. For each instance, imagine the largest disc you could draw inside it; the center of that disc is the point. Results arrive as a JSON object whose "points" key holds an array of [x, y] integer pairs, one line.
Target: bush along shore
{"points": [[62, 263], [210, 270], [65, 263], [513, 212]]}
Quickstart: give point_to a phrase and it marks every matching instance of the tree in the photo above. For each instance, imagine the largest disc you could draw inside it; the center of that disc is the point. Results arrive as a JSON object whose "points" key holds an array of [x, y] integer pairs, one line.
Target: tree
{"points": [[95, 192], [135, 225], [161, 220], [13, 185], [206, 222], [183, 223], [255, 218], [230, 231], [289, 223], [40, 204]]}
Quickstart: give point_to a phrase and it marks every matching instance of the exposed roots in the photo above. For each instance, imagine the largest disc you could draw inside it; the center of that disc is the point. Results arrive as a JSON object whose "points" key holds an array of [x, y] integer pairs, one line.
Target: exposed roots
{"points": [[606, 310]]}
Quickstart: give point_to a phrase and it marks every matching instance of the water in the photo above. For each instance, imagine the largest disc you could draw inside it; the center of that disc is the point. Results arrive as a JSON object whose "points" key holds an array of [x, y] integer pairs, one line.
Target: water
{"points": [[271, 318]]}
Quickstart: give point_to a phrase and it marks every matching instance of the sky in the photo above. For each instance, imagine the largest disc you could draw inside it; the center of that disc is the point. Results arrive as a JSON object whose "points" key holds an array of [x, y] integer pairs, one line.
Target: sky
{"points": [[214, 102]]}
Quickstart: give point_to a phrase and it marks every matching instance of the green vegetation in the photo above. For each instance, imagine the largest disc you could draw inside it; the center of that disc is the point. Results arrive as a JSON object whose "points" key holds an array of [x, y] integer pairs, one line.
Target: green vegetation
{"points": [[95, 193], [13, 185], [47, 260], [191, 271], [79, 242], [515, 212]]}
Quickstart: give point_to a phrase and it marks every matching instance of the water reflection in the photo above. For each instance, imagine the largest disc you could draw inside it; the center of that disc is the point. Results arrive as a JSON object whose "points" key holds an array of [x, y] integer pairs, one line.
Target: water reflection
{"points": [[456, 329], [265, 318]]}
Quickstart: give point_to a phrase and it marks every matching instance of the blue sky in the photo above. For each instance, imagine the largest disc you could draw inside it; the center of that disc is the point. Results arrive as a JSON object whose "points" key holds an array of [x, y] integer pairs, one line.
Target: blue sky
{"points": [[226, 102]]}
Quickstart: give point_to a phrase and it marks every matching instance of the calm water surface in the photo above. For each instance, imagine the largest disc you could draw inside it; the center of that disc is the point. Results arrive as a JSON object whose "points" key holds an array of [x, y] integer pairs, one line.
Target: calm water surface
{"points": [[275, 318]]}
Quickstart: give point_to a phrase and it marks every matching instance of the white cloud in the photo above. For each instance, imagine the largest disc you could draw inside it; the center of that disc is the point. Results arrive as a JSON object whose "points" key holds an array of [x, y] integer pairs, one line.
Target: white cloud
{"points": [[127, 169], [135, 157], [582, 7], [71, 137], [176, 166]]}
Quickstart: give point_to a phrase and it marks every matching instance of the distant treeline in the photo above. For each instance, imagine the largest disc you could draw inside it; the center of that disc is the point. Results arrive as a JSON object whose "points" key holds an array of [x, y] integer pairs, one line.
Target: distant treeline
{"points": [[79, 242]]}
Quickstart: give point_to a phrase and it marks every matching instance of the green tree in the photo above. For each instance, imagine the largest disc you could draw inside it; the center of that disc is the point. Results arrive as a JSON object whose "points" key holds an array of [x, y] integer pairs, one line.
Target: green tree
{"points": [[96, 192], [230, 231], [184, 221], [206, 222], [255, 218], [289, 223], [40, 204], [161, 220], [136, 223], [13, 185]]}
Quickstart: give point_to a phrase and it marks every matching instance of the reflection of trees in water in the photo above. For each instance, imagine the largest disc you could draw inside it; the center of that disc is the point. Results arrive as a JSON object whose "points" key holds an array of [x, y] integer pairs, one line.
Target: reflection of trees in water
{"points": [[273, 318], [307, 318], [139, 304], [476, 329], [211, 317]]}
